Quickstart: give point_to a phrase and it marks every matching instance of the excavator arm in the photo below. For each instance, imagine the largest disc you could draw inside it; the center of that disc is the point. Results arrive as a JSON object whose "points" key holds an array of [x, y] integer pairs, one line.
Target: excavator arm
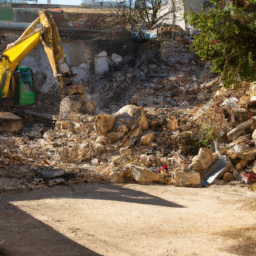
{"points": [[43, 30]]}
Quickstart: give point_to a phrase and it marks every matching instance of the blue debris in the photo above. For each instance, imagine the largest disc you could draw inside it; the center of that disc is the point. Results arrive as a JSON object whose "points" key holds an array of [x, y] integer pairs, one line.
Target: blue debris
{"points": [[143, 35]]}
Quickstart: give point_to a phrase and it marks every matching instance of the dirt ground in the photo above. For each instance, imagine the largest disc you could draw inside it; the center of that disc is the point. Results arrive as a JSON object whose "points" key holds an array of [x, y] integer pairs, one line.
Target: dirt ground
{"points": [[100, 219]]}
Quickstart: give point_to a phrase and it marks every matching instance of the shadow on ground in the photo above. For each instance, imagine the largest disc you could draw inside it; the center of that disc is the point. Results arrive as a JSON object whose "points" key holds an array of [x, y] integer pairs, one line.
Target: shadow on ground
{"points": [[245, 241], [22, 234]]}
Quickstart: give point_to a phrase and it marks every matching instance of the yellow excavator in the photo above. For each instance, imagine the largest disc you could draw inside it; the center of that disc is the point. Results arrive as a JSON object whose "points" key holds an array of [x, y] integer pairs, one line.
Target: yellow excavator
{"points": [[12, 83]]}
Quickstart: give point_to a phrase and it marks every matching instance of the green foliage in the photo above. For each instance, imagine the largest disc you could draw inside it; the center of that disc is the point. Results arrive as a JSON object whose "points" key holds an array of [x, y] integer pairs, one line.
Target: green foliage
{"points": [[227, 37], [2, 251], [190, 144]]}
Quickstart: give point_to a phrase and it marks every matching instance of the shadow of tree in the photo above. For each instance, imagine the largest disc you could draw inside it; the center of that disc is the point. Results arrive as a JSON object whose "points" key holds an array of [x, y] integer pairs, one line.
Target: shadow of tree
{"points": [[23, 234]]}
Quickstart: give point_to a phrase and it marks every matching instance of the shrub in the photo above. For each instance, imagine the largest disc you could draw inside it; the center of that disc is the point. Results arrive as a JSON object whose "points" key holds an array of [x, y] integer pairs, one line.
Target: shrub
{"points": [[227, 37]]}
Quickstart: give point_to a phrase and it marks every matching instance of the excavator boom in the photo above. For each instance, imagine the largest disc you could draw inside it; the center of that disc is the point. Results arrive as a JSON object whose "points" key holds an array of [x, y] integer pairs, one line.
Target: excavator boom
{"points": [[43, 29]]}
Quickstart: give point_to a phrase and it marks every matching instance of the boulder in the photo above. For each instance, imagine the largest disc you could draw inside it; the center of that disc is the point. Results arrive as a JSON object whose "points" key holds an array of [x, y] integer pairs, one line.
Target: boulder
{"points": [[71, 104], [101, 63], [202, 161], [146, 139], [142, 175], [240, 129], [173, 124], [128, 115], [10, 122], [116, 58], [246, 155], [228, 177], [143, 123], [104, 123], [188, 178]]}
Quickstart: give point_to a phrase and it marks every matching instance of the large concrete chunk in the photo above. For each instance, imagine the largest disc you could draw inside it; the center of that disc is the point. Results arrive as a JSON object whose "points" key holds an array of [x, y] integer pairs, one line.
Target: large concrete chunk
{"points": [[10, 122], [101, 63]]}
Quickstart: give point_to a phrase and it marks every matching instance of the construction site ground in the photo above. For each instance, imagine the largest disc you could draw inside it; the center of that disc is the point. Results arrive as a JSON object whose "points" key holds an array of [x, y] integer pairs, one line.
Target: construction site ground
{"points": [[129, 219]]}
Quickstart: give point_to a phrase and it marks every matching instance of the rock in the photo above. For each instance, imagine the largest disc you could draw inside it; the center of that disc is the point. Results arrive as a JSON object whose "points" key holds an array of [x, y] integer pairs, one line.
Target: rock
{"points": [[246, 155], [71, 104], [202, 161], [210, 84], [127, 115], [60, 125], [241, 164], [253, 101], [254, 135], [126, 152], [228, 177], [50, 174], [73, 89], [95, 161], [64, 68], [173, 124], [104, 123], [183, 162], [101, 63], [116, 58], [81, 73], [101, 140], [54, 182], [146, 139], [143, 123], [237, 131], [142, 175], [188, 178], [114, 136], [236, 174], [10, 122]]}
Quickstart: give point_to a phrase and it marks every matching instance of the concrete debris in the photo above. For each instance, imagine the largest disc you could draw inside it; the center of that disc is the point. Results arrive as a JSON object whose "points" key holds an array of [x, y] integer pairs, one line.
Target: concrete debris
{"points": [[132, 118], [101, 63], [10, 122]]}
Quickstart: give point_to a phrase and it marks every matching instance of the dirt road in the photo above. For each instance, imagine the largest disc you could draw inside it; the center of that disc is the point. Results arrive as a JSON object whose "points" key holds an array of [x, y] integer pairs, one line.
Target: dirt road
{"points": [[111, 220]]}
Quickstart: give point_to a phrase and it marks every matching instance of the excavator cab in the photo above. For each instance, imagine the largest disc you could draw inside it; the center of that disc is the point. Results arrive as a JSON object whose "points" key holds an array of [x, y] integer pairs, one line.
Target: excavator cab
{"points": [[23, 89]]}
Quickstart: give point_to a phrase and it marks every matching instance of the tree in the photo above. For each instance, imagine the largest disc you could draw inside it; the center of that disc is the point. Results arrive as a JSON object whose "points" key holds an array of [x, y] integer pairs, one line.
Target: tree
{"points": [[147, 14], [227, 37]]}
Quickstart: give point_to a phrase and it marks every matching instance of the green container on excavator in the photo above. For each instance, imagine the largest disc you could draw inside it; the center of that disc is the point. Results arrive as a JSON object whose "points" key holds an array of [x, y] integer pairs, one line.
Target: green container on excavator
{"points": [[24, 89]]}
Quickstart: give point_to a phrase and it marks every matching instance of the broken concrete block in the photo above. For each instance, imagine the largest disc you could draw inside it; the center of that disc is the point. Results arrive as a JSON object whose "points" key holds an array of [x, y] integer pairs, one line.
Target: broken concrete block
{"points": [[116, 58], [173, 124], [128, 115], [10, 122], [228, 177], [146, 139], [104, 123], [188, 178], [202, 161], [101, 63], [237, 131], [142, 175]]}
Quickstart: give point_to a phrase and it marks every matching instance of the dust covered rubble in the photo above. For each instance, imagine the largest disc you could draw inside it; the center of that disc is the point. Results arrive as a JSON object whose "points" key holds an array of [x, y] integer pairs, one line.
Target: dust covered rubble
{"points": [[147, 130], [143, 144]]}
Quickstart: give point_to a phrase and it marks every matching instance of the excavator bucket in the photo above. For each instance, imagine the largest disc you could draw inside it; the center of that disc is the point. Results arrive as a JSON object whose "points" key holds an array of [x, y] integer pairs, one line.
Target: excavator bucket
{"points": [[51, 40], [42, 29]]}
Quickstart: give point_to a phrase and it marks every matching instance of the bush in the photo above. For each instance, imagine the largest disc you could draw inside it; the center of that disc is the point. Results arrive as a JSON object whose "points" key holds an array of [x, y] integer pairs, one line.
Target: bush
{"points": [[227, 37]]}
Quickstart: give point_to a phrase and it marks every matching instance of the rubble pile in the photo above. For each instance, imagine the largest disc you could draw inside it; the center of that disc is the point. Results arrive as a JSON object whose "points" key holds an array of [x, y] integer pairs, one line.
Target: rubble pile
{"points": [[143, 121]]}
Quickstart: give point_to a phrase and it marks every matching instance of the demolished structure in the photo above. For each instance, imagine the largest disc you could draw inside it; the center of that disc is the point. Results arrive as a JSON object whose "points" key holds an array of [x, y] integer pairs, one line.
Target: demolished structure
{"points": [[128, 109]]}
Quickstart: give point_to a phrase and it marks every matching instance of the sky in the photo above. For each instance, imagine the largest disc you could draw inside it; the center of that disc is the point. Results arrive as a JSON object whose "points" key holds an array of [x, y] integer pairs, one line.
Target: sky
{"points": [[61, 2]]}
